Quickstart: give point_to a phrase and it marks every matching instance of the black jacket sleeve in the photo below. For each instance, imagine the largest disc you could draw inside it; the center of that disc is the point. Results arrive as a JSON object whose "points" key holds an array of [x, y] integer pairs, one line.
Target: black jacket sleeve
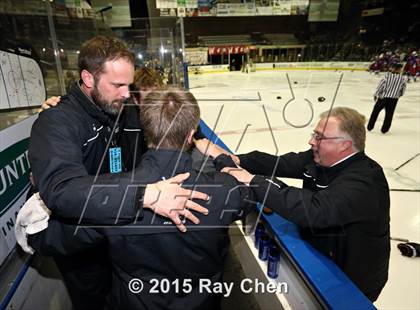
{"points": [[230, 201], [66, 187], [241, 197], [343, 202], [244, 197], [223, 161], [290, 165], [62, 239]]}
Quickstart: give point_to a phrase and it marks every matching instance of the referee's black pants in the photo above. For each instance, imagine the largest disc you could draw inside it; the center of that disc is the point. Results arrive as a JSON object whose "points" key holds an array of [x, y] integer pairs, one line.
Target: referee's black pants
{"points": [[389, 105]]}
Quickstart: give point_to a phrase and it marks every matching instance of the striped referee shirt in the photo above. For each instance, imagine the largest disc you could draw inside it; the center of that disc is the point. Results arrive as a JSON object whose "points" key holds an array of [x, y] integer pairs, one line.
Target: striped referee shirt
{"points": [[392, 85]]}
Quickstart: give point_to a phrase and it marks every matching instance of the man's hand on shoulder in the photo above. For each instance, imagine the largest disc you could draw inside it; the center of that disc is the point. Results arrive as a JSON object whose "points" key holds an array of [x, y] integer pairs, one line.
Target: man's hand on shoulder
{"points": [[50, 102], [239, 174], [208, 148], [167, 198]]}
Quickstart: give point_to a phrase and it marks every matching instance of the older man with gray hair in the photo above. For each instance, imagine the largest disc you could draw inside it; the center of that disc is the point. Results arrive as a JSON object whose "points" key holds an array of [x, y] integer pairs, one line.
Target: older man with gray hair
{"points": [[342, 209]]}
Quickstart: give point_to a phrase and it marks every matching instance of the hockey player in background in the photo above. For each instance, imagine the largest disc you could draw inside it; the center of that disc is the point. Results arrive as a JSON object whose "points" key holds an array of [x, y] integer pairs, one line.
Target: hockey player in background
{"points": [[411, 68]]}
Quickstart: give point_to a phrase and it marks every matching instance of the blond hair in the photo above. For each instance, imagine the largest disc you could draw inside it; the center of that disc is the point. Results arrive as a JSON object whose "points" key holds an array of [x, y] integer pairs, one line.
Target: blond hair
{"points": [[168, 115], [147, 78]]}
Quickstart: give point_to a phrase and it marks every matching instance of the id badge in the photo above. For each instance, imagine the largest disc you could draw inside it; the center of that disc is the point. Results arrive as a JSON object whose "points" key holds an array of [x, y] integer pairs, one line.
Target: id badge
{"points": [[115, 163]]}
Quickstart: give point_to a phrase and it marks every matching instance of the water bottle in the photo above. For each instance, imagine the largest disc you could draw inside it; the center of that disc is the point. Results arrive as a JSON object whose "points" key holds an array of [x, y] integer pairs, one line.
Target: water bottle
{"points": [[273, 262], [263, 247], [259, 231]]}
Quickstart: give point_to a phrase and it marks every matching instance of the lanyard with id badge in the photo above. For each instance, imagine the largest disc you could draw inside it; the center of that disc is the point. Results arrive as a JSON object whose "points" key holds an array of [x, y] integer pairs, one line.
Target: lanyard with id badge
{"points": [[115, 160], [115, 163]]}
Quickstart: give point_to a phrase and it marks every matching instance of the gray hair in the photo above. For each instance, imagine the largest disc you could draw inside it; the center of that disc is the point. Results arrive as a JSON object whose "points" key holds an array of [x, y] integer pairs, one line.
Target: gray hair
{"points": [[351, 123]]}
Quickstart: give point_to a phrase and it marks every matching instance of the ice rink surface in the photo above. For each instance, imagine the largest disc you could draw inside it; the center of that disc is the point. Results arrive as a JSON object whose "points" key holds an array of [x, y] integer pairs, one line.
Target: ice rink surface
{"points": [[275, 111]]}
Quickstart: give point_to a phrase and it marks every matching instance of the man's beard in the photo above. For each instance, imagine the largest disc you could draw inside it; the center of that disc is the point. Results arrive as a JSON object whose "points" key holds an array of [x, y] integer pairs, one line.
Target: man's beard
{"points": [[109, 107]]}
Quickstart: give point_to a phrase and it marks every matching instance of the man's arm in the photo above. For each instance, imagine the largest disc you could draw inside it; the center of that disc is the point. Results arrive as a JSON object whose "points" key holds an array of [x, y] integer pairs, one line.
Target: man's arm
{"points": [[343, 202], [63, 239], [380, 89], [71, 193], [290, 165], [241, 199]]}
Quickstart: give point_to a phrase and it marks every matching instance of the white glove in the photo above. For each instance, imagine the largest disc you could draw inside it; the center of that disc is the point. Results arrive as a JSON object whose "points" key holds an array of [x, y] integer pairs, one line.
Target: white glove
{"points": [[32, 218]]}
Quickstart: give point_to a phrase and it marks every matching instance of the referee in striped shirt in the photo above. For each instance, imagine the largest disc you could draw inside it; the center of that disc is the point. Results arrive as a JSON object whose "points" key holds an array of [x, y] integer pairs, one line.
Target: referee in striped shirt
{"points": [[390, 89]]}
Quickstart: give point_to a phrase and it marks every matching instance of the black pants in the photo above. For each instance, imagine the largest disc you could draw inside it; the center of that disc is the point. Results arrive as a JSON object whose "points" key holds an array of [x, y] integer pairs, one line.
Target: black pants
{"points": [[87, 274], [389, 105]]}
